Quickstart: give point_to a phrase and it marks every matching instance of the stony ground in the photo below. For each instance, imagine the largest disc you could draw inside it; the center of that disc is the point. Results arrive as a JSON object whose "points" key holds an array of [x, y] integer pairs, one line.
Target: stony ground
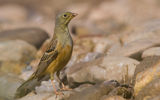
{"points": [[116, 52]]}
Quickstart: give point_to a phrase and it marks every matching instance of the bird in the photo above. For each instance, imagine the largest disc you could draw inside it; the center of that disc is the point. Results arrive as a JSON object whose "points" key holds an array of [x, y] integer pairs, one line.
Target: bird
{"points": [[55, 57]]}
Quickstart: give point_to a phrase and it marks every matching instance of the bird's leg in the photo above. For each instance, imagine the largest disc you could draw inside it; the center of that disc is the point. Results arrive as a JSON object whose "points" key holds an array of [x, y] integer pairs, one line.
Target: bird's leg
{"points": [[61, 83], [54, 87]]}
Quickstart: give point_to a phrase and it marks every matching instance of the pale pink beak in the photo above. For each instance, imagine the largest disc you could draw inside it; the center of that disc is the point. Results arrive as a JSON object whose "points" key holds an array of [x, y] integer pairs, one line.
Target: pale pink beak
{"points": [[74, 14]]}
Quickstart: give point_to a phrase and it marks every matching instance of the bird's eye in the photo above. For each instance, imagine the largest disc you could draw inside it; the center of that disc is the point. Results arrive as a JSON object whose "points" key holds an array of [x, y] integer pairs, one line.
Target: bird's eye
{"points": [[64, 15]]}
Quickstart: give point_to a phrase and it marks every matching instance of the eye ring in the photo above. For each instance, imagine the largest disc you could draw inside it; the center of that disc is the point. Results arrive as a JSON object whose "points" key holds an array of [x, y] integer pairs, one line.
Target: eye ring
{"points": [[65, 15]]}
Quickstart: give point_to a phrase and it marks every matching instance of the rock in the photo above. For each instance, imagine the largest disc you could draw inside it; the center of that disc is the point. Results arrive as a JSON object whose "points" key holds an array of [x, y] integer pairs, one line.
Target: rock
{"points": [[102, 44], [114, 47], [123, 90], [139, 15], [15, 55], [95, 43], [155, 98], [8, 85], [148, 30], [146, 72], [93, 92], [150, 91], [104, 68], [134, 49], [94, 19], [112, 98], [43, 96], [46, 87], [91, 47], [84, 58], [155, 51], [80, 30], [26, 74], [46, 92], [82, 45], [34, 36], [112, 22], [90, 56], [77, 59], [85, 49], [7, 12]]}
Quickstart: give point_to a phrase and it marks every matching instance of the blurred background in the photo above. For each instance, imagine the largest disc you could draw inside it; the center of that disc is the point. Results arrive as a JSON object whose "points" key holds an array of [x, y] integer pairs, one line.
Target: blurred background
{"points": [[97, 17], [102, 27]]}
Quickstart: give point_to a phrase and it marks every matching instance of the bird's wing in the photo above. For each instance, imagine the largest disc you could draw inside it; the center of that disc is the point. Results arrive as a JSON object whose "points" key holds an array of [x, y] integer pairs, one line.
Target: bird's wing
{"points": [[50, 55]]}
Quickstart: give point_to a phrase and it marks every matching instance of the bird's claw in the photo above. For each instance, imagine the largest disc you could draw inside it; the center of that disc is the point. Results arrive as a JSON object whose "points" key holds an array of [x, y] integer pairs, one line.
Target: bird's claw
{"points": [[65, 89], [58, 93]]}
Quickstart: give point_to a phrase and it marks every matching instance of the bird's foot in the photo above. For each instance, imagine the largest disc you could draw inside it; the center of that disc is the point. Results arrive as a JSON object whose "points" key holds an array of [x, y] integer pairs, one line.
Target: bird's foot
{"points": [[58, 93], [65, 88]]}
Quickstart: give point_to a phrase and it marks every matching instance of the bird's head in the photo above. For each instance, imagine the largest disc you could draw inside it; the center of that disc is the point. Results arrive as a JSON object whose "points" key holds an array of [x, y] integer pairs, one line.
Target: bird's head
{"points": [[65, 18]]}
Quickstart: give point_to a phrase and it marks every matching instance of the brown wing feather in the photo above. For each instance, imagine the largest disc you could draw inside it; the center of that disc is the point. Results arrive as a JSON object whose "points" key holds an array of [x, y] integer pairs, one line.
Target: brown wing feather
{"points": [[49, 56]]}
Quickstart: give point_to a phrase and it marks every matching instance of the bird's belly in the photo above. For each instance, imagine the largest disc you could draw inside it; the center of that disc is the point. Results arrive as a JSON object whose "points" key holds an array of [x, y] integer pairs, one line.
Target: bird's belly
{"points": [[61, 60]]}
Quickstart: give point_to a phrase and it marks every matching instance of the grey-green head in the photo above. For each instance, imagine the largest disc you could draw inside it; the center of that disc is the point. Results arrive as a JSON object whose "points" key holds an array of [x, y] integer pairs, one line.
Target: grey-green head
{"points": [[65, 18]]}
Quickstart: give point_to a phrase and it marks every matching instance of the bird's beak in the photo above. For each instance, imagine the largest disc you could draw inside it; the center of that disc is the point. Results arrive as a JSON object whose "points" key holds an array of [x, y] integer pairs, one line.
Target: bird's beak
{"points": [[74, 14]]}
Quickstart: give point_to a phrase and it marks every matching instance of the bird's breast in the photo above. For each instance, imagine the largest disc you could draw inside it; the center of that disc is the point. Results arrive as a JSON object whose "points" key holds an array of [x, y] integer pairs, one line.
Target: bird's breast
{"points": [[62, 59], [65, 53]]}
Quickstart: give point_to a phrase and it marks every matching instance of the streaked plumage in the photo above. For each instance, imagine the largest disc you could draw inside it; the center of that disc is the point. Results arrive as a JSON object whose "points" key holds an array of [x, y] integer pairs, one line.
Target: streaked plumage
{"points": [[55, 57]]}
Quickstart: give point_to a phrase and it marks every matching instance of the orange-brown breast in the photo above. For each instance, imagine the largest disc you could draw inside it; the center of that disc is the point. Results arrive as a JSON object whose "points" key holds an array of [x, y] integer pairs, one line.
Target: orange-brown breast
{"points": [[62, 59]]}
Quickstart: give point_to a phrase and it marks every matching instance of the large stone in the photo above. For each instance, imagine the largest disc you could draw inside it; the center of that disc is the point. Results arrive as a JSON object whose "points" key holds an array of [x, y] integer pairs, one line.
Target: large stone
{"points": [[147, 71], [93, 92], [43, 96], [8, 85], [145, 31], [83, 45], [34, 36], [135, 48], [112, 98], [155, 51], [84, 58], [15, 55], [95, 43], [155, 98], [112, 22], [91, 56], [91, 46], [101, 69], [102, 44], [150, 91], [125, 91]]}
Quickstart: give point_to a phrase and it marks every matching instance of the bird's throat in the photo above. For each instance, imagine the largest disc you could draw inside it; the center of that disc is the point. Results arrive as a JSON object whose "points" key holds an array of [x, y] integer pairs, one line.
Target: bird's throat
{"points": [[62, 33]]}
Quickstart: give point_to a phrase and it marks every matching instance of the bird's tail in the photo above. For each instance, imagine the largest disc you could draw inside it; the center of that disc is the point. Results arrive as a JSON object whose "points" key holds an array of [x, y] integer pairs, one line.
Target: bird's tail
{"points": [[29, 86]]}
